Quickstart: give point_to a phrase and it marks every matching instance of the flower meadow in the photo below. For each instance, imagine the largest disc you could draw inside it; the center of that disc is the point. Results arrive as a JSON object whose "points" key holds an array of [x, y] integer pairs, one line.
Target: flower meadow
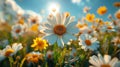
{"points": [[60, 40]]}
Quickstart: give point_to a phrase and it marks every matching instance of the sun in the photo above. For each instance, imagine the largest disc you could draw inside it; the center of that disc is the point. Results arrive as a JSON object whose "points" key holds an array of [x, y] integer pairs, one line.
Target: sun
{"points": [[54, 8]]}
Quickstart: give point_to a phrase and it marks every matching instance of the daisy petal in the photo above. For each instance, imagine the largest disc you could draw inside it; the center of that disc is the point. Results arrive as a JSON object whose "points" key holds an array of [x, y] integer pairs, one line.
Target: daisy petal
{"points": [[107, 58], [113, 62], [72, 24], [58, 18], [101, 59], [51, 38], [60, 42], [67, 37], [72, 30], [48, 31], [66, 21]]}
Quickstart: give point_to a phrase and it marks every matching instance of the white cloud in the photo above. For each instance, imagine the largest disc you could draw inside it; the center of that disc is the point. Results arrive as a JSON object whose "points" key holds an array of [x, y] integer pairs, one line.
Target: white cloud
{"points": [[76, 1], [13, 9]]}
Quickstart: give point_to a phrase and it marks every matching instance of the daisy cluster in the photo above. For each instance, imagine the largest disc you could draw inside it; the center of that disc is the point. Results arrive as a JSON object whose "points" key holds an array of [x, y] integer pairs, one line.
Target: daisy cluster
{"points": [[60, 41]]}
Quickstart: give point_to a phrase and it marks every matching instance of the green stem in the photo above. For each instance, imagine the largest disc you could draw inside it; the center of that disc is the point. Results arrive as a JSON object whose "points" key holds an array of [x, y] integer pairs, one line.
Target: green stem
{"points": [[21, 64], [11, 61]]}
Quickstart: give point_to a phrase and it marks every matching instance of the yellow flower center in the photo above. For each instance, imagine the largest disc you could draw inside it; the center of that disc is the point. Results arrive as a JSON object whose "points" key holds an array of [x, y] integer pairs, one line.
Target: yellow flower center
{"points": [[105, 65], [103, 11], [90, 18], [40, 43], [17, 30], [8, 52], [59, 30], [80, 25], [21, 21], [88, 42]]}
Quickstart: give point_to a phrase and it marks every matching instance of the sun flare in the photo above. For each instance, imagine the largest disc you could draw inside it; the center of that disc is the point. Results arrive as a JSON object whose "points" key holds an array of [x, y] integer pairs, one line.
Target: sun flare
{"points": [[54, 8]]}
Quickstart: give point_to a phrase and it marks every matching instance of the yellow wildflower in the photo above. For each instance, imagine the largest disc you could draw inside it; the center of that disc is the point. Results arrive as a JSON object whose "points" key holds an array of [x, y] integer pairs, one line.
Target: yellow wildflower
{"points": [[102, 10], [34, 57], [39, 44], [90, 17]]}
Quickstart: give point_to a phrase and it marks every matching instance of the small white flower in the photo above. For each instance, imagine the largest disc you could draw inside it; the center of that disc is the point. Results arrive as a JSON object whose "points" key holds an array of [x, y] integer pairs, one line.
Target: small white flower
{"points": [[17, 30], [109, 27], [106, 61], [83, 27], [9, 51], [86, 9], [49, 54], [88, 42]]}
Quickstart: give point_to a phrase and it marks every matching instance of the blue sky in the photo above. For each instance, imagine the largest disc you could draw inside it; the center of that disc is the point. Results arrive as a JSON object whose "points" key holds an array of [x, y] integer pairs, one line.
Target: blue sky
{"points": [[76, 9]]}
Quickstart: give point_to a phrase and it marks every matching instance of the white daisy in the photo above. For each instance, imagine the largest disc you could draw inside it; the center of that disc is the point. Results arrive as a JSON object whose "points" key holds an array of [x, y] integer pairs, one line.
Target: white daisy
{"points": [[32, 18], [17, 30], [88, 42], [83, 27], [106, 61], [9, 51], [60, 29], [109, 27]]}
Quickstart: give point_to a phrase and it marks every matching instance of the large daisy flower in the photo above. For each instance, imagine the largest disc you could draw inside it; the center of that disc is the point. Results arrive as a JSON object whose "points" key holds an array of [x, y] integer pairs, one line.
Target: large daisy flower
{"points": [[106, 61], [88, 42], [60, 29], [9, 51]]}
